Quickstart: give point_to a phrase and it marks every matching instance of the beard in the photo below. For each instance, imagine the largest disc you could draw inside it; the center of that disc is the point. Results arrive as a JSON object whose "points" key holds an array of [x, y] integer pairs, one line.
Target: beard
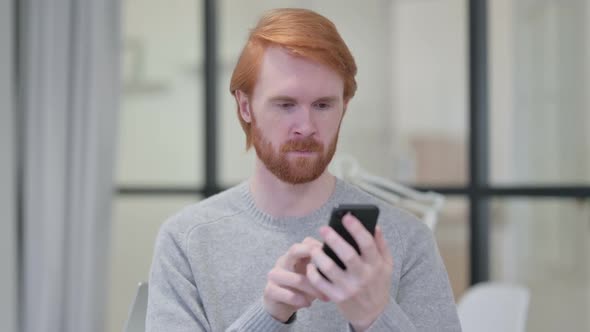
{"points": [[298, 170]]}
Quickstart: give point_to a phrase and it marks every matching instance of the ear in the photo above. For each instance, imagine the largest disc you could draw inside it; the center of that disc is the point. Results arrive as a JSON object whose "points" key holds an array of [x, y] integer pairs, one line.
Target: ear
{"points": [[243, 106], [345, 107]]}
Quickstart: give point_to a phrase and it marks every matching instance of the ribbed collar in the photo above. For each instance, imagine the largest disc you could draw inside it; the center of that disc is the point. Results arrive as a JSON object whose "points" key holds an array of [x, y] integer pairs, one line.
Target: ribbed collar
{"points": [[312, 220]]}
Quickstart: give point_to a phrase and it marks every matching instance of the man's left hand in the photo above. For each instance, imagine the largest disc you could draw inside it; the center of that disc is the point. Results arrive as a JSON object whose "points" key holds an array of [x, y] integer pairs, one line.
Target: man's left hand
{"points": [[361, 292]]}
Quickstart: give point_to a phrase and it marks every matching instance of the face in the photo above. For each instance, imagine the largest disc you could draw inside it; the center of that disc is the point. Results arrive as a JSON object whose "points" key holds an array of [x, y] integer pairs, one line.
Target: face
{"points": [[295, 112]]}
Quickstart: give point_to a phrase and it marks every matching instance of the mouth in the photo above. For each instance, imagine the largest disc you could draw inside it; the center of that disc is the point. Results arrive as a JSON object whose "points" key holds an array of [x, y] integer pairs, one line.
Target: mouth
{"points": [[302, 153]]}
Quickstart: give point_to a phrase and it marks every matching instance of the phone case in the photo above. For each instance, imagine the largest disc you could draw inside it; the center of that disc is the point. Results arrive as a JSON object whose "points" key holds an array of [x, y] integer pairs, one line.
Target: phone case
{"points": [[367, 214]]}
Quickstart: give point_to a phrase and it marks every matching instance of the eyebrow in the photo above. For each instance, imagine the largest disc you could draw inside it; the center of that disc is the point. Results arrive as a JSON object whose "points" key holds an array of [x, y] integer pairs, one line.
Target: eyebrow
{"points": [[328, 99], [281, 98]]}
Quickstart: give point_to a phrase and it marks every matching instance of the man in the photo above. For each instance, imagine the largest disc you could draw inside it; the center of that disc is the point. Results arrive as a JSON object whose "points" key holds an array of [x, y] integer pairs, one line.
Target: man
{"points": [[247, 259]]}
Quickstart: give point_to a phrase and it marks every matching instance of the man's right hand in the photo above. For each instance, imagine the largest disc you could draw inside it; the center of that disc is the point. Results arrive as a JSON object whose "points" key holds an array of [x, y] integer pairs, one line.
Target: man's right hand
{"points": [[287, 288]]}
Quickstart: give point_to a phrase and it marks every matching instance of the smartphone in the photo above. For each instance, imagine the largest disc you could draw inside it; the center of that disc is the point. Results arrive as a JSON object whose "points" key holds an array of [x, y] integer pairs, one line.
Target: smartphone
{"points": [[367, 214]]}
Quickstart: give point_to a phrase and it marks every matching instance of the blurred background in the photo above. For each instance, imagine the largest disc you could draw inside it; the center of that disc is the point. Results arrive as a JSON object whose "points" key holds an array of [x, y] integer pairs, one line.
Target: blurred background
{"points": [[495, 118]]}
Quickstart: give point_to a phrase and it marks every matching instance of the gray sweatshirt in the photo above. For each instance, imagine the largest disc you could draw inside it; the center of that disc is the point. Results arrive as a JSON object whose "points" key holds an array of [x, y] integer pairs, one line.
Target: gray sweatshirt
{"points": [[211, 260]]}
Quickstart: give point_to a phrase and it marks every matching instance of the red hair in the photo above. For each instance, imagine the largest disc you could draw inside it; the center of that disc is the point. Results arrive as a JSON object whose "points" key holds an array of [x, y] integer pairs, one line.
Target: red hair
{"points": [[303, 33]]}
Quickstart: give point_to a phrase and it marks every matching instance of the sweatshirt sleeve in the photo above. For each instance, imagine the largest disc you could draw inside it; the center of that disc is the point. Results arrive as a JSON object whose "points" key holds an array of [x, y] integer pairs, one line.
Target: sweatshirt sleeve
{"points": [[174, 303], [424, 298], [256, 318]]}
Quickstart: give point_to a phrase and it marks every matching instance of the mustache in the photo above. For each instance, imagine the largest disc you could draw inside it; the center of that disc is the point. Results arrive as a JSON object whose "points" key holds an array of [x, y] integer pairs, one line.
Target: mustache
{"points": [[305, 145]]}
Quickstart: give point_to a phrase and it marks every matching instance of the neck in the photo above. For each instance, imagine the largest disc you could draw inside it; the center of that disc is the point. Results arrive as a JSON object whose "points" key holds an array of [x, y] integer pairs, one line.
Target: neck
{"points": [[281, 199]]}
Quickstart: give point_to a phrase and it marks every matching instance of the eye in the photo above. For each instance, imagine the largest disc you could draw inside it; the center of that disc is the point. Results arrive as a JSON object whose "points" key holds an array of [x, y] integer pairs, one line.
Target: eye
{"points": [[322, 106], [285, 105]]}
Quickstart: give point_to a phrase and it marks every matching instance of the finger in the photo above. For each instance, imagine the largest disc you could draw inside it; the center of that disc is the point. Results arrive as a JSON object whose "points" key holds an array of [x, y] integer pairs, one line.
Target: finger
{"points": [[328, 267], [363, 238], [331, 291], [296, 252], [286, 296], [345, 252], [382, 245], [293, 280], [312, 242]]}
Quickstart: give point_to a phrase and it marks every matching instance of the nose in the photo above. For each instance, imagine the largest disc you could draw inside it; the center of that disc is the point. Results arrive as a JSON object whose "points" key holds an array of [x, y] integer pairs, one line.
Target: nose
{"points": [[305, 124]]}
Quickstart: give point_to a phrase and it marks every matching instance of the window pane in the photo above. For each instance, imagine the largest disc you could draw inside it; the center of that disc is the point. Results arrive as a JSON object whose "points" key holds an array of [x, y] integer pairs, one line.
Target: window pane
{"points": [[429, 91], [161, 118], [407, 120], [544, 244], [136, 221], [452, 237], [539, 70]]}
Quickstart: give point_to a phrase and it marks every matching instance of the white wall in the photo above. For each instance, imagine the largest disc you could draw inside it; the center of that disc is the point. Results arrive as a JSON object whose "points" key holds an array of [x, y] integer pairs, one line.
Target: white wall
{"points": [[7, 173]]}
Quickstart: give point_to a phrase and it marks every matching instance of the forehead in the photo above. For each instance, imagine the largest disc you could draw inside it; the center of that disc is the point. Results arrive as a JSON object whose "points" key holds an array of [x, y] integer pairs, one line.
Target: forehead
{"points": [[282, 73]]}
